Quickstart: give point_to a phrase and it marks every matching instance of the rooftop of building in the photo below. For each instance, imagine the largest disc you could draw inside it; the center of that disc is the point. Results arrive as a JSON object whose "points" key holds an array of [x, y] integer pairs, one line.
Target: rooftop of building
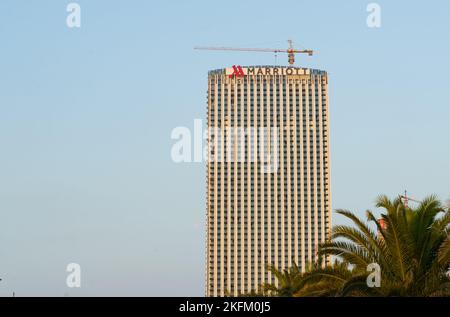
{"points": [[312, 71]]}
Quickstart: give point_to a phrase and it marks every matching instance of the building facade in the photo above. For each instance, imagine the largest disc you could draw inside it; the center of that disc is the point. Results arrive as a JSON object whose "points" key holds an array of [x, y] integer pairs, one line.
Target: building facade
{"points": [[268, 174]]}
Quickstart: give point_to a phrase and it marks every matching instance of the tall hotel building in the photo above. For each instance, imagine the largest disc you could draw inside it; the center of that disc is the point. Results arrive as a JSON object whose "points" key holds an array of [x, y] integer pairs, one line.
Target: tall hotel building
{"points": [[256, 215]]}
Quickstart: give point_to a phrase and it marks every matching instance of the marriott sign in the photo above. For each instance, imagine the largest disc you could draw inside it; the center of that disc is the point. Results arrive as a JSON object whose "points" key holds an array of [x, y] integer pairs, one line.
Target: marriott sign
{"points": [[267, 71]]}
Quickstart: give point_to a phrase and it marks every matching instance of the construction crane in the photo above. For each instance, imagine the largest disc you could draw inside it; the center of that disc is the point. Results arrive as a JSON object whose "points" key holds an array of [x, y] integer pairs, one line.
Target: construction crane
{"points": [[290, 51], [406, 199]]}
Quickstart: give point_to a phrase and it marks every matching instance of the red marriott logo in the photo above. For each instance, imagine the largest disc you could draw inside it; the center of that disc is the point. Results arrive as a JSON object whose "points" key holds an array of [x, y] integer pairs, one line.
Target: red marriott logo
{"points": [[237, 71]]}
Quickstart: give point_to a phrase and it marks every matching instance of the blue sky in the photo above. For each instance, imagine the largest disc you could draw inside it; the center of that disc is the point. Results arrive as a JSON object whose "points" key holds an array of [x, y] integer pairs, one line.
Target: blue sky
{"points": [[86, 115]]}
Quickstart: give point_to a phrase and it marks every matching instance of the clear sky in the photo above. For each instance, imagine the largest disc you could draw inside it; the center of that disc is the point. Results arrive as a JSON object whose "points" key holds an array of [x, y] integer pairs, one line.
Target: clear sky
{"points": [[86, 115]]}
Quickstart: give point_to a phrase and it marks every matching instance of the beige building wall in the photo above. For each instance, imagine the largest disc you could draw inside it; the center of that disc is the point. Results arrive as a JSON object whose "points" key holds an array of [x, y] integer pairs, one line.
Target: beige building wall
{"points": [[256, 218]]}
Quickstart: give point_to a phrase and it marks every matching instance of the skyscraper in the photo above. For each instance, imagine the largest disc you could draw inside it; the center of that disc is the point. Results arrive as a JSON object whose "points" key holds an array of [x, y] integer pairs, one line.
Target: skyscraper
{"points": [[268, 173]]}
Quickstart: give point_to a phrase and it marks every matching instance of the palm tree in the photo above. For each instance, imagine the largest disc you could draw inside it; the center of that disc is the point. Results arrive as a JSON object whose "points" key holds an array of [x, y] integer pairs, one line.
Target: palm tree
{"points": [[288, 281], [411, 246], [252, 293], [328, 281]]}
